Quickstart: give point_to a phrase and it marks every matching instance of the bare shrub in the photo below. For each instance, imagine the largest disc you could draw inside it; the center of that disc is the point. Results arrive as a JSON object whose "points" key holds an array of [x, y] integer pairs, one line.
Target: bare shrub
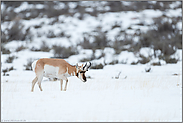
{"points": [[117, 77], [61, 34], [15, 32], [63, 52], [50, 10], [35, 49], [13, 4], [7, 70], [177, 40], [148, 69], [28, 66], [170, 60], [86, 44], [144, 59], [4, 37], [4, 50], [99, 66], [115, 6], [114, 62], [165, 37], [37, 26], [118, 45], [156, 64], [7, 15], [100, 40], [137, 5], [10, 59], [116, 25], [36, 2], [86, 60], [134, 63], [20, 48], [51, 34], [54, 21], [146, 39], [44, 47], [135, 47]]}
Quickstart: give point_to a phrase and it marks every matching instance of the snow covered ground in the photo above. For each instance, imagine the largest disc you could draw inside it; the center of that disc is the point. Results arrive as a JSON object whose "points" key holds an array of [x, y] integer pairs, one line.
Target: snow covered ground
{"points": [[135, 96]]}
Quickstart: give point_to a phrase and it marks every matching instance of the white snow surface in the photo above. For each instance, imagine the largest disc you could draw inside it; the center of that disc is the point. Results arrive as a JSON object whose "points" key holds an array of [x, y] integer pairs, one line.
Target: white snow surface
{"points": [[135, 96], [25, 6]]}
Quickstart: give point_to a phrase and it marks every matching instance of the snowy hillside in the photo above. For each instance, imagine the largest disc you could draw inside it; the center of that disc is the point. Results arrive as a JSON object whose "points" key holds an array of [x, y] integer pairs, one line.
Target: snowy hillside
{"points": [[120, 31], [116, 37]]}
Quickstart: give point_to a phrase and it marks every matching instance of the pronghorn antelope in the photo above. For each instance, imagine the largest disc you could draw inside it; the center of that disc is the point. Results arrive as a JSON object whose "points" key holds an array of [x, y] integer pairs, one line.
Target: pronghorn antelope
{"points": [[57, 68]]}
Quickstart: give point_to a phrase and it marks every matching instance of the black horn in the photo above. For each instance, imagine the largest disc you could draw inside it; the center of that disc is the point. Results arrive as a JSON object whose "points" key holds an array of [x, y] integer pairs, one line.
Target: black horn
{"points": [[84, 66], [89, 65]]}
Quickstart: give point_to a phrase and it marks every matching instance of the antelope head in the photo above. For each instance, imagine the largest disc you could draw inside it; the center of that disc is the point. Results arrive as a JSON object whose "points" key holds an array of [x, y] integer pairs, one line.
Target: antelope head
{"points": [[80, 71]]}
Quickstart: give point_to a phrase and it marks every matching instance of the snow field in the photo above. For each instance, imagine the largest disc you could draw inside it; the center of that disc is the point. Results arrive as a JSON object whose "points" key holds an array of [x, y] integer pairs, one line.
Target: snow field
{"points": [[135, 96], [154, 96]]}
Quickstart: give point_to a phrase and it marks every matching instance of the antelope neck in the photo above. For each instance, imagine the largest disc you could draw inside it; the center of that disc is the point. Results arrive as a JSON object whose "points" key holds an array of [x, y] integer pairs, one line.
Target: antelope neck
{"points": [[72, 70]]}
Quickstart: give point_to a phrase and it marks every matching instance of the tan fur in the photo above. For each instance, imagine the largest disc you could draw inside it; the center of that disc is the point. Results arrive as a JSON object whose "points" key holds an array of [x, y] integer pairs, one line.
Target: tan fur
{"points": [[64, 67], [61, 63]]}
